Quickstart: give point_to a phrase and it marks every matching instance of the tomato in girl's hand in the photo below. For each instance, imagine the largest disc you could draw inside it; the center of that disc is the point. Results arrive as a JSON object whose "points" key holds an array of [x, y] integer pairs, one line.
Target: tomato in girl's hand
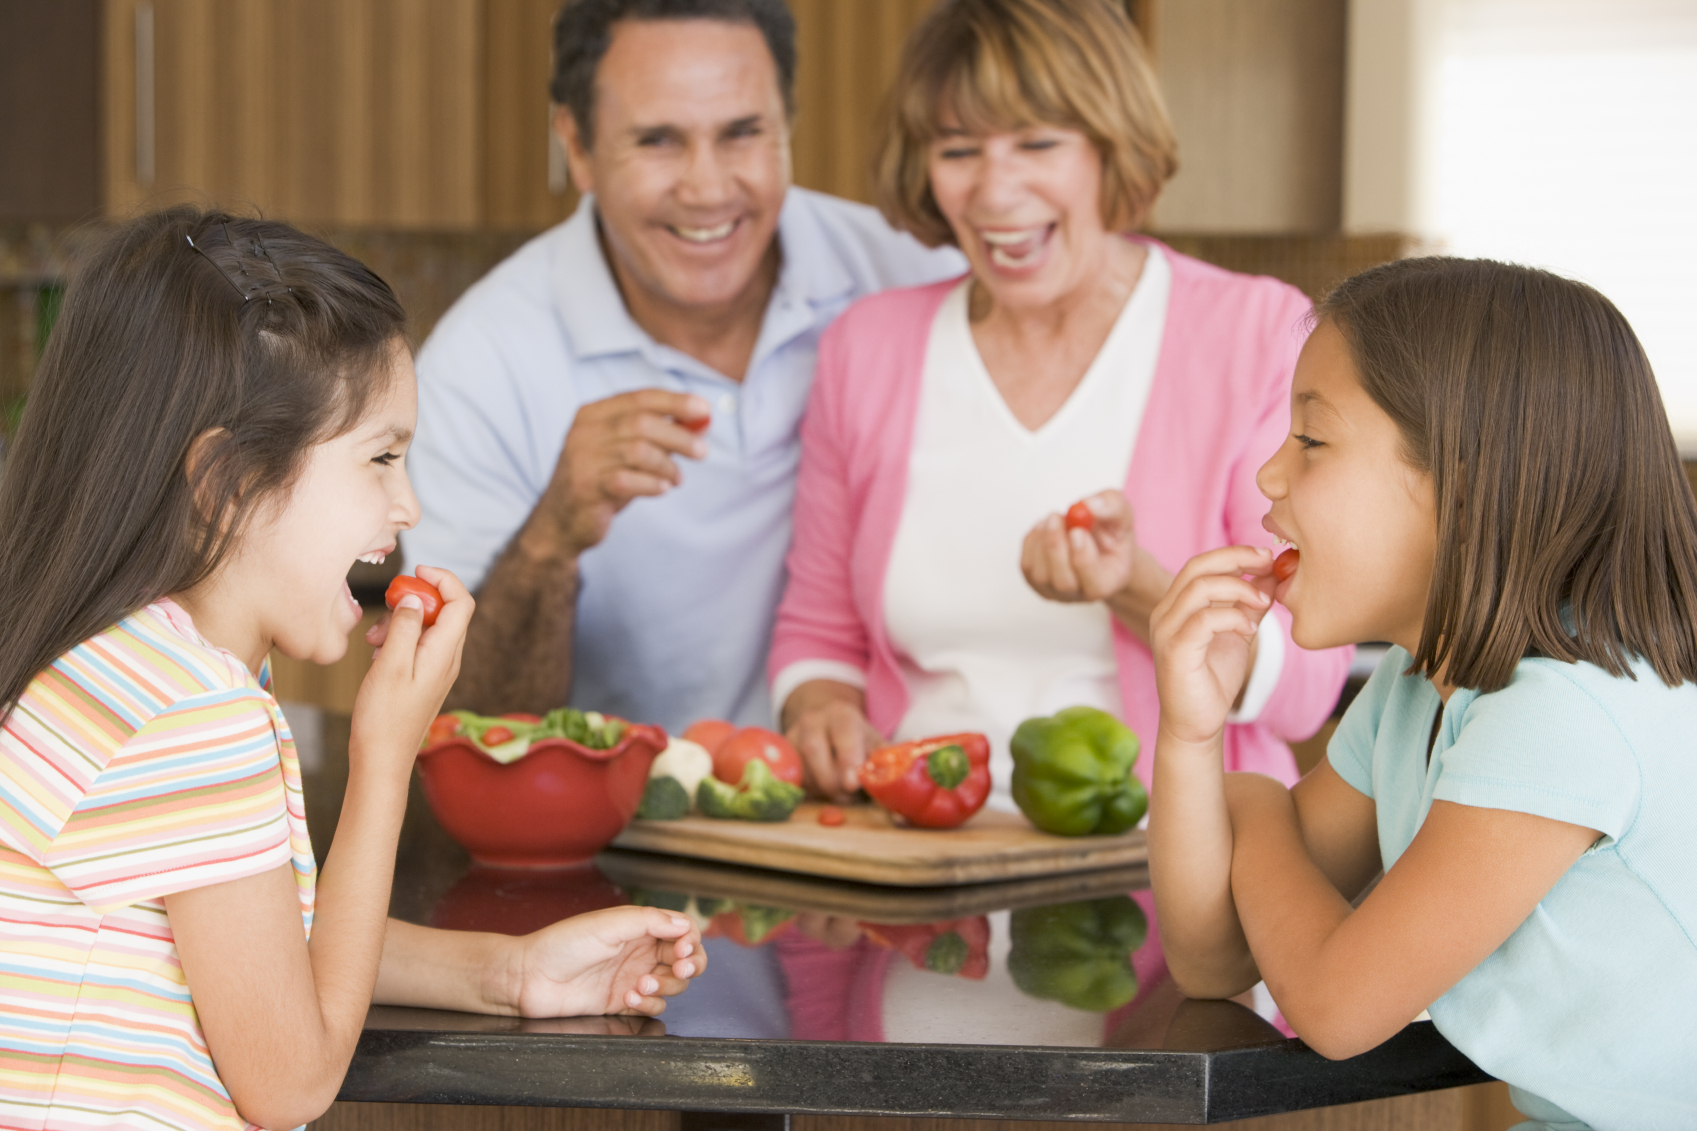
{"points": [[1081, 517], [750, 743], [1284, 566], [697, 426], [427, 594], [710, 734]]}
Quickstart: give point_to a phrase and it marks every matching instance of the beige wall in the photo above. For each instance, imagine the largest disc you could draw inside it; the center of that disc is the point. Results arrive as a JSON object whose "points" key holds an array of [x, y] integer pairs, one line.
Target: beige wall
{"points": [[1255, 89]]}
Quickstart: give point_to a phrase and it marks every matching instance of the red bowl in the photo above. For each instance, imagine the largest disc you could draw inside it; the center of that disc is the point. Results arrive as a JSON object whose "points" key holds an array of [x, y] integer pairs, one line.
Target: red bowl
{"points": [[558, 805]]}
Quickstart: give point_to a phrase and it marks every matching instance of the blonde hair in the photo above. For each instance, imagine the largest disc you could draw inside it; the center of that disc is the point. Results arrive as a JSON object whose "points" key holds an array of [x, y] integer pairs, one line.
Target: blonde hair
{"points": [[1003, 64]]}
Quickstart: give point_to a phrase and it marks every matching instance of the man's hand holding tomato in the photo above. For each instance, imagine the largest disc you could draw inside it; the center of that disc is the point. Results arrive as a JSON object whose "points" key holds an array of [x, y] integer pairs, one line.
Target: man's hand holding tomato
{"points": [[826, 722], [618, 449], [1095, 558]]}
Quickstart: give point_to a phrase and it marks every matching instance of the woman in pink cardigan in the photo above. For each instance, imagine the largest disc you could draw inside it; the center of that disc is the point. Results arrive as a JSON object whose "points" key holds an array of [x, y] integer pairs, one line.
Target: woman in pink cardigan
{"points": [[934, 586]]}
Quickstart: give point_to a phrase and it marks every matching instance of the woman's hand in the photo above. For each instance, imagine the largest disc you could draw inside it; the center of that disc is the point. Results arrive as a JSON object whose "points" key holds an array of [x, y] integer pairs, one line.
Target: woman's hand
{"points": [[826, 722], [412, 669], [1103, 563], [620, 960], [1202, 633]]}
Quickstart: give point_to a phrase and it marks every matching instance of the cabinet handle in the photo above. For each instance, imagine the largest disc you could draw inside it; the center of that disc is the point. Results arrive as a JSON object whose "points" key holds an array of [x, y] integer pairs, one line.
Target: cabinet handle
{"points": [[144, 93]]}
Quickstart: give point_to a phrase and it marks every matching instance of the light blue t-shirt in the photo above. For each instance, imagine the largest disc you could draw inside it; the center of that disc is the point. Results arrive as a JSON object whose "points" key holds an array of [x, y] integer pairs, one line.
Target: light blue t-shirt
{"points": [[676, 606], [1590, 1007]]}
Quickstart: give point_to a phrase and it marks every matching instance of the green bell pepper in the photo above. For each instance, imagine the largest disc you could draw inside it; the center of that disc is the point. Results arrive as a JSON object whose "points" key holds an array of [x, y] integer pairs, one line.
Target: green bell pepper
{"points": [[1072, 773], [1078, 954]]}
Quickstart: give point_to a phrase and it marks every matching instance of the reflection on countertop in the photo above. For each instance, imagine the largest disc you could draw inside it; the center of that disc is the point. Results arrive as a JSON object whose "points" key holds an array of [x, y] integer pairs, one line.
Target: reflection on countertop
{"points": [[809, 979]]}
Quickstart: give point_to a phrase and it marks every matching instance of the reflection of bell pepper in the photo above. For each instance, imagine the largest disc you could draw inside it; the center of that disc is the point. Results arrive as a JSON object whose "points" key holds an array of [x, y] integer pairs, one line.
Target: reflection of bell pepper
{"points": [[760, 796], [936, 783], [960, 946], [1072, 773], [1078, 954]]}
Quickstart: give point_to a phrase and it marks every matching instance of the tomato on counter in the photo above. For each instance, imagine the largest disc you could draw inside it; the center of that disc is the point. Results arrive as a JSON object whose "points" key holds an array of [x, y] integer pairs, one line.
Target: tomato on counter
{"points": [[710, 734], [749, 743]]}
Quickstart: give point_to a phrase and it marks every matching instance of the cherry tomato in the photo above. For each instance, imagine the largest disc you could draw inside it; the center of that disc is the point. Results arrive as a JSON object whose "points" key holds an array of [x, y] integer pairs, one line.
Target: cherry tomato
{"points": [[497, 736], [1284, 566], [831, 815], [1081, 517], [750, 743], [710, 734], [442, 728], [427, 594], [697, 426]]}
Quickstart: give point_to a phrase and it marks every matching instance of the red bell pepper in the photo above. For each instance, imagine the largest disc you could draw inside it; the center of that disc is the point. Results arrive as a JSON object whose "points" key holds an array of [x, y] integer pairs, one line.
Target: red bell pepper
{"points": [[936, 783], [960, 946]]}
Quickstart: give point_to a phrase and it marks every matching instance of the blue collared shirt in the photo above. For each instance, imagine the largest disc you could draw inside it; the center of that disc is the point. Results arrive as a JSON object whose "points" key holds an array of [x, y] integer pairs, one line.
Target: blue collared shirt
{"points": [[675, 610]]}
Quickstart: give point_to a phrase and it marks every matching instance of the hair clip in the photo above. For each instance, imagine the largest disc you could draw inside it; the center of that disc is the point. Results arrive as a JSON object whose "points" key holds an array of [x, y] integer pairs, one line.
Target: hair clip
{"points": [[259, 250]]}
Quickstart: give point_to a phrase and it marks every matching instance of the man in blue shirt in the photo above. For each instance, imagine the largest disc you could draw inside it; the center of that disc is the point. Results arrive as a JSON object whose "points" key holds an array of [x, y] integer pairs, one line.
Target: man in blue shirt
{"points": [[608, 421]]}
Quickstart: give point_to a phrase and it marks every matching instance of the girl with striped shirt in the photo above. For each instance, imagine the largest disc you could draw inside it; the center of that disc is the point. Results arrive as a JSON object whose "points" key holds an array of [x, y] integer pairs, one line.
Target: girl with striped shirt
{"points": [[217, 431]]}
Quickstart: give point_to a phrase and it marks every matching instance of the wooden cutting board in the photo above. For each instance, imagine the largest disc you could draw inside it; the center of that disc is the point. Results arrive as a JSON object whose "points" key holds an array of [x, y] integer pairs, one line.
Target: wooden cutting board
{"points": [[874, 903], [870, 848]]}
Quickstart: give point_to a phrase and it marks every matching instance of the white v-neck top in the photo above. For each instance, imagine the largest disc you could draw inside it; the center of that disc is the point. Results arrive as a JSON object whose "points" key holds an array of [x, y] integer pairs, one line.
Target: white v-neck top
{"points": [[980, 650]]}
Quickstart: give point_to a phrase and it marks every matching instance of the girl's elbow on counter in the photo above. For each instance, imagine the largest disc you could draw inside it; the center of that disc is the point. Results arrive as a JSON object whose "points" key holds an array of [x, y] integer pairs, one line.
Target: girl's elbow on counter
{"points": [[1337, 1030], [1211, 981], [277, 1106]]}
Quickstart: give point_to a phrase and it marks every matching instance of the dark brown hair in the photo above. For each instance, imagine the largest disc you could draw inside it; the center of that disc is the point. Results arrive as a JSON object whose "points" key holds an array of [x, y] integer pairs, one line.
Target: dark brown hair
{"points": [[1004, 64], [265, 341], [583, 30], [1566, 525]]}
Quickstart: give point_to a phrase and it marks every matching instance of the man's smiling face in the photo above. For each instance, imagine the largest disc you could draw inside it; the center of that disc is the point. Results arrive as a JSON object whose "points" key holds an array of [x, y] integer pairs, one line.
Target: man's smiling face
{"points": [[689, 161]]}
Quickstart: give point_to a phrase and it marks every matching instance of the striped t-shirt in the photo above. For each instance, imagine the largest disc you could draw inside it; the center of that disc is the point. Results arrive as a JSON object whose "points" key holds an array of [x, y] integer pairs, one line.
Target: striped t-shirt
{"points": [[145, 761]]}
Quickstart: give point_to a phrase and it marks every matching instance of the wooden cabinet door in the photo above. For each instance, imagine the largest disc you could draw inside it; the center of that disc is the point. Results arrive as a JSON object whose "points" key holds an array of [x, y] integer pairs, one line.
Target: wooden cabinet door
{"points": [[326, 112]]}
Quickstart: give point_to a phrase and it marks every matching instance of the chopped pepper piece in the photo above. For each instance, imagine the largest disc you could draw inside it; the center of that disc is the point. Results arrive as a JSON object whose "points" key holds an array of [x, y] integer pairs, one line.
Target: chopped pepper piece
{"points": [[1072, 773], [1078, 954], [935, 783], [760, 796]]}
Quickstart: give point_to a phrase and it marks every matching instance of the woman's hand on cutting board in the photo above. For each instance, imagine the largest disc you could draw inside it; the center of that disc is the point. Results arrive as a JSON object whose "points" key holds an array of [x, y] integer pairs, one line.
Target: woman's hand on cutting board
{"points": [[826, 722]]}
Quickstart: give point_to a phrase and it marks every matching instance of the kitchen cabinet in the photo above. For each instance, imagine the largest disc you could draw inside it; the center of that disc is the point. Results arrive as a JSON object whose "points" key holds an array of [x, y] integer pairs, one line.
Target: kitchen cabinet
{"points": [[414, 114], [350, 113]]}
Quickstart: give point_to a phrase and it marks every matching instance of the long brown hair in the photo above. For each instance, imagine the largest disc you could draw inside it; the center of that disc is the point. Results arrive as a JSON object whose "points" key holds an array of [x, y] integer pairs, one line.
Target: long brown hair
{"points": [[1566, 525], [182, 324]]}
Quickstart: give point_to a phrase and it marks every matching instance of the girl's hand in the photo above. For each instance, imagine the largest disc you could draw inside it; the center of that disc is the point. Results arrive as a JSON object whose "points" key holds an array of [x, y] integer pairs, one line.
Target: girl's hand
{"points": [[1201, 633], [620, 960], [412, 669], [1104, 563]]}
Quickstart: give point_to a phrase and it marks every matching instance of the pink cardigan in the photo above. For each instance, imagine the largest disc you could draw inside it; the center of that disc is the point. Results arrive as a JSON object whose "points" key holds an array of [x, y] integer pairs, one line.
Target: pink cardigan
{"points": [[1218, 408]]}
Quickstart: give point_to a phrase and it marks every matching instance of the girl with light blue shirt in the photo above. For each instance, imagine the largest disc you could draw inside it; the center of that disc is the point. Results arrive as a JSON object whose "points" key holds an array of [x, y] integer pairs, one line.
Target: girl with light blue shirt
{"points": [[1479, 470]]}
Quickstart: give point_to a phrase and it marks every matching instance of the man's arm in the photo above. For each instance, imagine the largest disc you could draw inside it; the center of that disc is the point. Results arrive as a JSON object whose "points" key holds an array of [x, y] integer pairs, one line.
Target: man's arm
{"points": [[518, 653]]}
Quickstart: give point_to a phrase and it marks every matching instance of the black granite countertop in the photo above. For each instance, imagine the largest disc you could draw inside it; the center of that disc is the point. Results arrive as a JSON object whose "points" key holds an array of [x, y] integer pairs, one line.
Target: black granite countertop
{"points": [[1030, 1000]]}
